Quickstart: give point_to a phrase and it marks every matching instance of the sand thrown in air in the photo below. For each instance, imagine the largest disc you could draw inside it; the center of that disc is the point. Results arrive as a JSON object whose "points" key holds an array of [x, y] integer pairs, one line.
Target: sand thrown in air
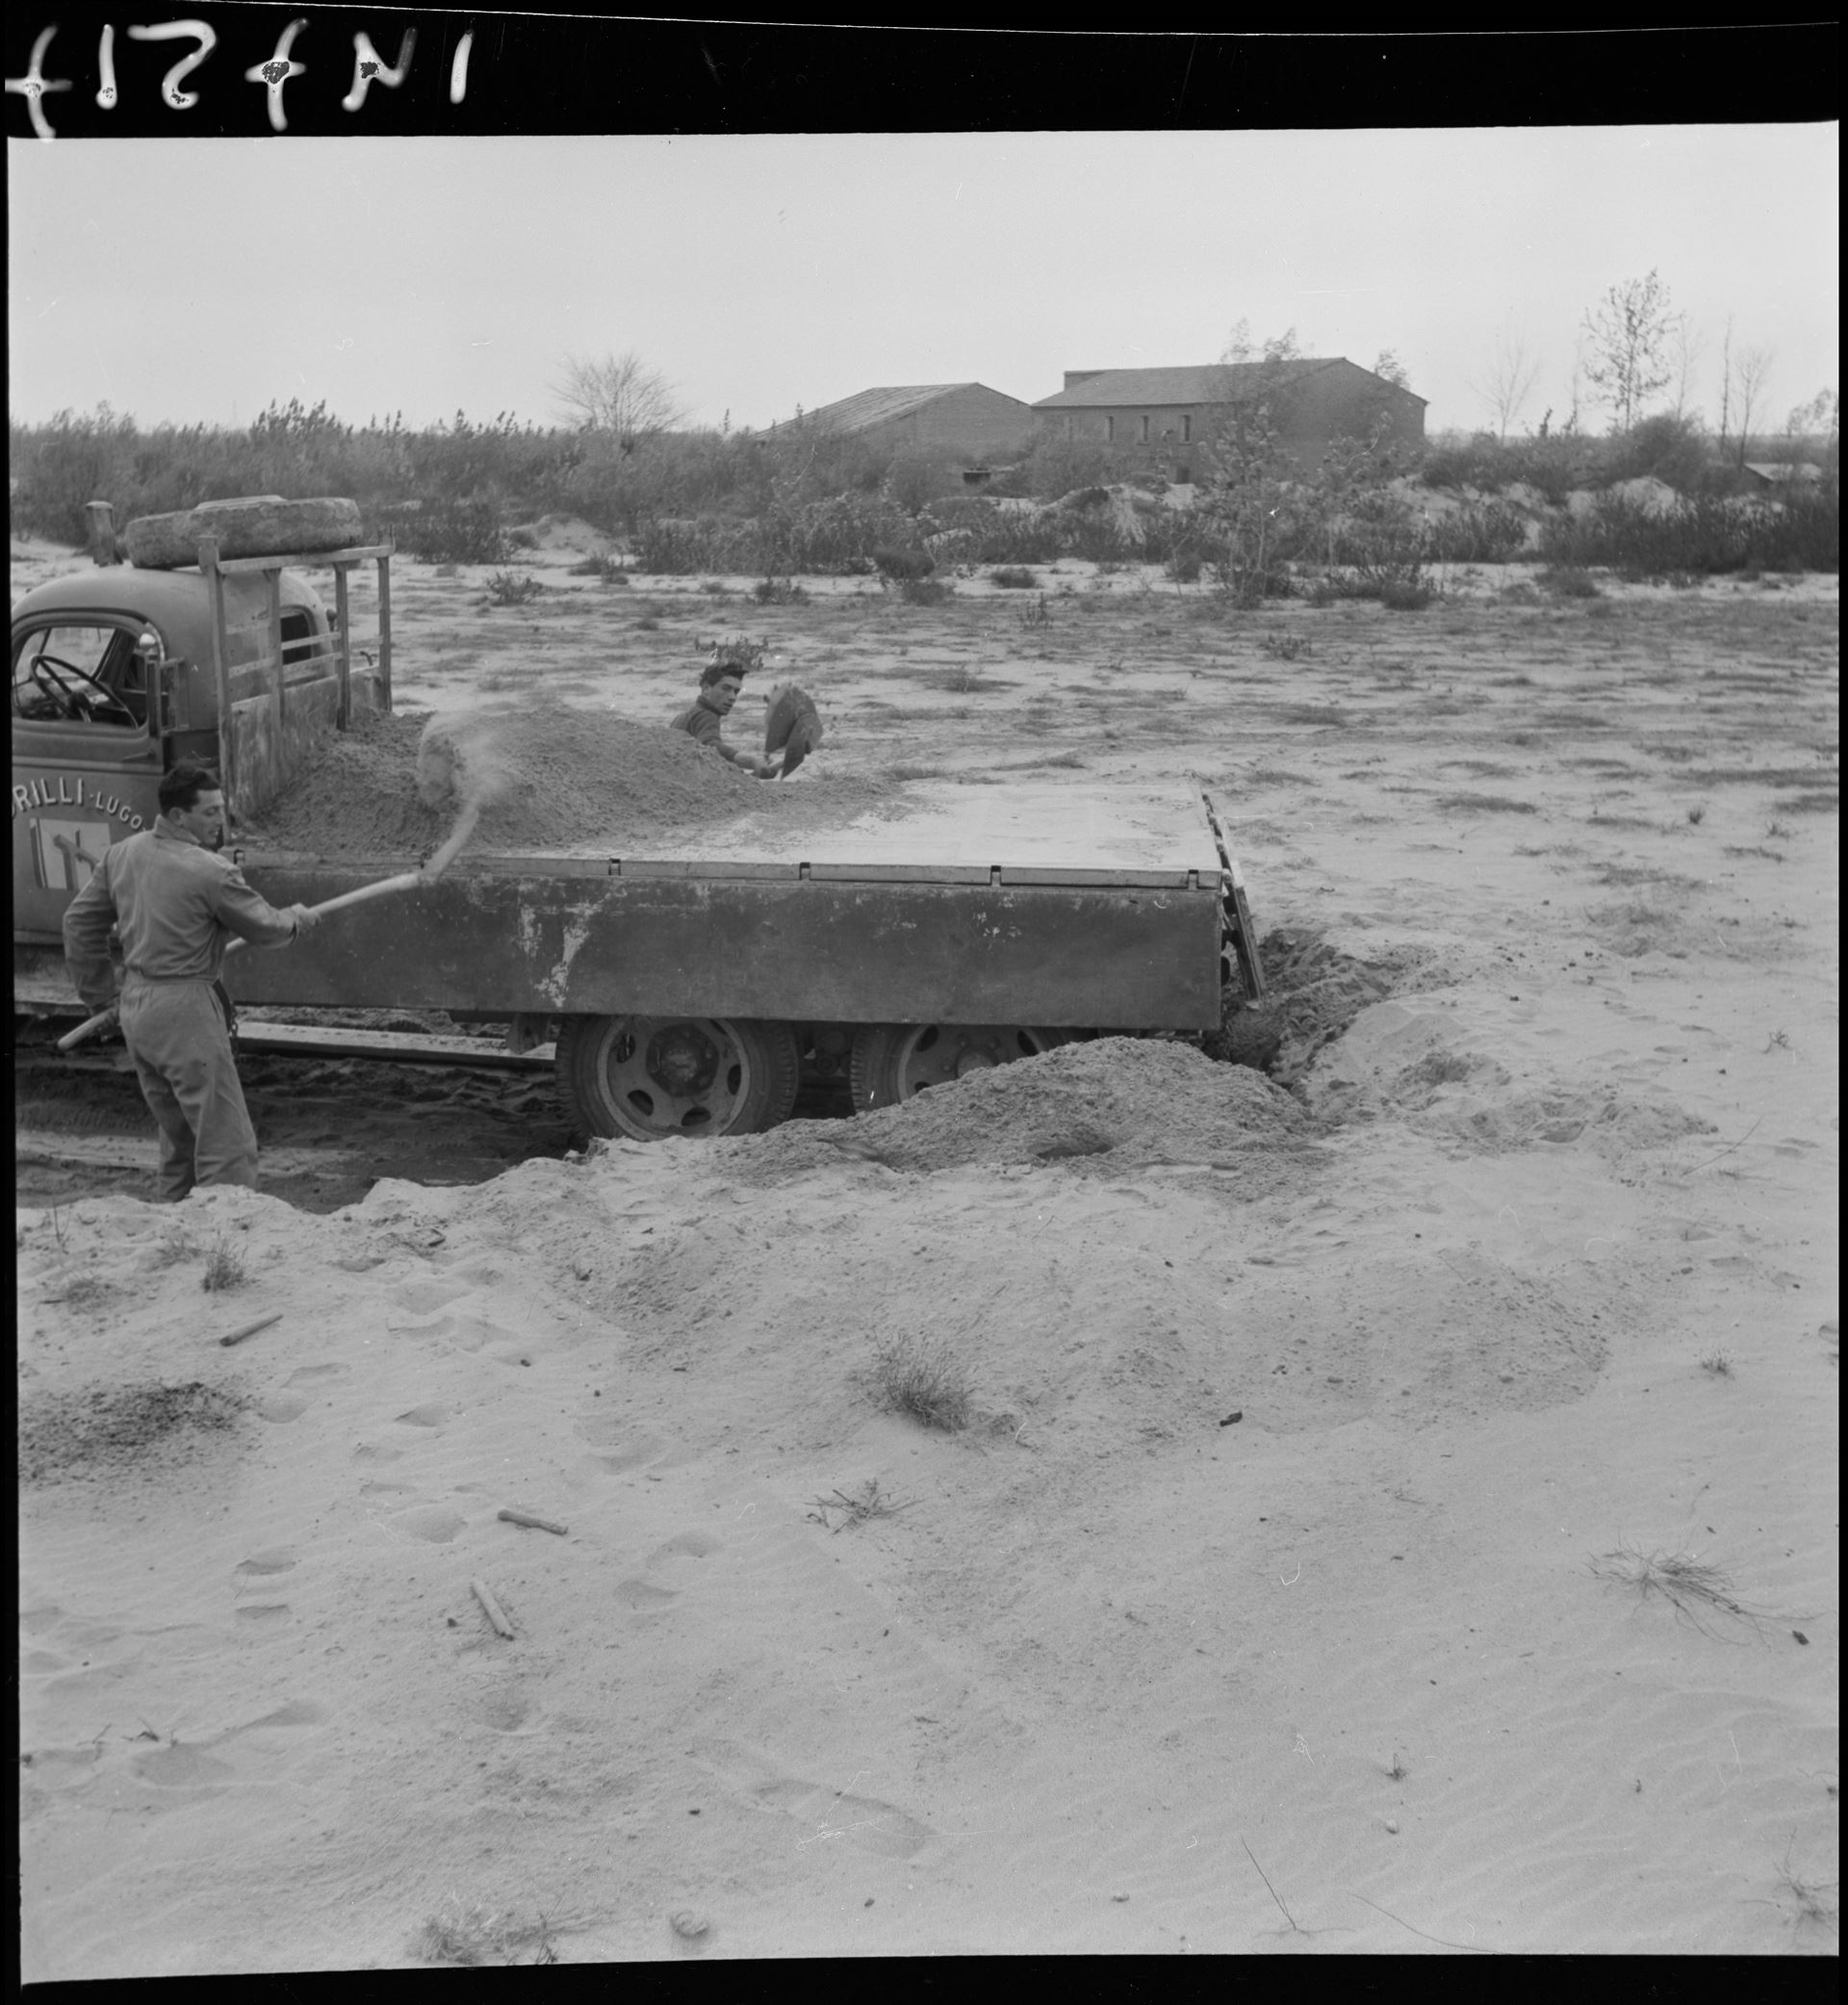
{"points": [[548, 778]]}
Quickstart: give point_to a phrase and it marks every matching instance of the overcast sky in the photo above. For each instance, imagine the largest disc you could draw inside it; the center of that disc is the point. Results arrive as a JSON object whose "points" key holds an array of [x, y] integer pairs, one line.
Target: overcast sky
{"points": [[198, 280]]}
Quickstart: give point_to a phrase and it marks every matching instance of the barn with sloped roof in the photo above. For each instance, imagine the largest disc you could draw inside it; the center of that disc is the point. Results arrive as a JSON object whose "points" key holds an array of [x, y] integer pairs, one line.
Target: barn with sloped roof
{"points": [[969, 420], [1315, 400]]}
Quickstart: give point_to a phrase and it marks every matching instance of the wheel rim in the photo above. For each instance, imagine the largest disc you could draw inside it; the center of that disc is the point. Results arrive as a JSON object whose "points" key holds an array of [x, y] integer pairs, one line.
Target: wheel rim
{"points": [[662, 1076], [934, 1054]]}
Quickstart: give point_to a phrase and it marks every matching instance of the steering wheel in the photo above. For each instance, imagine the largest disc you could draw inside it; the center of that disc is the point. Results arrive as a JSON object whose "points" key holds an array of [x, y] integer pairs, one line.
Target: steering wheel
{"points": [[82, 695]]}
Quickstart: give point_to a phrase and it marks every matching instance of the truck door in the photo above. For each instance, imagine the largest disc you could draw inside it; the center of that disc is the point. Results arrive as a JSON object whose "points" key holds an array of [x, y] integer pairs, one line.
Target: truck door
{"points": [[86, 754]]}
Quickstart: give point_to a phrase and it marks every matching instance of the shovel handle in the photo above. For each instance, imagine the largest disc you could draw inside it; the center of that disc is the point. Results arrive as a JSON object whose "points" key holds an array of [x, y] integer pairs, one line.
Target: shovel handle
{"points": [[405, 881], [87, 1029]]}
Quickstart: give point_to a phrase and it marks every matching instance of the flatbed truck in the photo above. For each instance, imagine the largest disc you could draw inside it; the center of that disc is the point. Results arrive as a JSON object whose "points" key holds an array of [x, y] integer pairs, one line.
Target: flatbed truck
{"points": [[687, 990]]}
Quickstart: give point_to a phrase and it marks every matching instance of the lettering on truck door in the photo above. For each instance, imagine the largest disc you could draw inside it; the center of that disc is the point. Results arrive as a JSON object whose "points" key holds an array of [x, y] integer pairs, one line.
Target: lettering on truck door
{"points": [[86, 755]]}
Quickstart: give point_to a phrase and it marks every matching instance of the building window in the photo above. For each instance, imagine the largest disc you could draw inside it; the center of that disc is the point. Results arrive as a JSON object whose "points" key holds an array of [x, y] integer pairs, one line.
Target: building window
{"points": [[1145, 428], [1110, 431], [1187, 431]]}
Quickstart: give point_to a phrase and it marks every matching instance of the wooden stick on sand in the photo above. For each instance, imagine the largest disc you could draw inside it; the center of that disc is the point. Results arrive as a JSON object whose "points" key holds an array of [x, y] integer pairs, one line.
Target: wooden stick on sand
{"points": [[492, 1608], [250, 1330], [521, 1517]]}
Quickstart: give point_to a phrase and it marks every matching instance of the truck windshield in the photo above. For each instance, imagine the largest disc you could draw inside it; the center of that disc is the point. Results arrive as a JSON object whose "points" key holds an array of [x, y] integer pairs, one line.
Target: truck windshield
{"points": [[81, 672]]}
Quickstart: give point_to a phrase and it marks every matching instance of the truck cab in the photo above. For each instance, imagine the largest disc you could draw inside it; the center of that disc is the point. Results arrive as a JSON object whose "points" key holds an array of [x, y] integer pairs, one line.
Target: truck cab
{"points": [[119, 674]]}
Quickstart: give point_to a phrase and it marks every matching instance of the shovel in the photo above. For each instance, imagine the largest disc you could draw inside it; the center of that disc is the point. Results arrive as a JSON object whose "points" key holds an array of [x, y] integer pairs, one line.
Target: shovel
{"points": [[405, 881], [793, 727]]}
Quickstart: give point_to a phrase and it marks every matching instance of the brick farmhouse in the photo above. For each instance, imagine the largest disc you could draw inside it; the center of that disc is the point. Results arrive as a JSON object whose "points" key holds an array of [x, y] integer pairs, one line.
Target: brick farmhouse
{"points": [[1169, 411], [966, 420]]}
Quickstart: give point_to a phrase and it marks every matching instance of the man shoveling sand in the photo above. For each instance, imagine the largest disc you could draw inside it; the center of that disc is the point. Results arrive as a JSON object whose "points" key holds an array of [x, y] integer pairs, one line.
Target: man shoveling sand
{"points": [[720, 683], [792, 725]]}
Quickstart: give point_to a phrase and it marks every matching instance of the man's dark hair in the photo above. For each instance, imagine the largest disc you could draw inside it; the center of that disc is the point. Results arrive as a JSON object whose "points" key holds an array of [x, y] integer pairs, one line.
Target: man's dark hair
{"points": [[717, 671], [184, 785]]}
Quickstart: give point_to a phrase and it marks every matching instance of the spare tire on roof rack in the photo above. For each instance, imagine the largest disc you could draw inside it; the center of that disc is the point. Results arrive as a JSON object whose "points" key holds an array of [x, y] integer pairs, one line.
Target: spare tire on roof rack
{"points": [[252, 526]]}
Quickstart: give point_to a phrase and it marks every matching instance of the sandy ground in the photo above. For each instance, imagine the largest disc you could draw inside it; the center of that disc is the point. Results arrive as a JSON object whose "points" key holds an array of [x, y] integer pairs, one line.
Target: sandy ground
{"points": [[1301, 1424]]}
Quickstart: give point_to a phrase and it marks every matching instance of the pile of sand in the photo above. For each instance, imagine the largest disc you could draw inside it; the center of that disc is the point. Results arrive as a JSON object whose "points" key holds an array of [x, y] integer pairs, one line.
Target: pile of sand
{"points": [[1113, 1104], [1436, 1069], [558, 779]]}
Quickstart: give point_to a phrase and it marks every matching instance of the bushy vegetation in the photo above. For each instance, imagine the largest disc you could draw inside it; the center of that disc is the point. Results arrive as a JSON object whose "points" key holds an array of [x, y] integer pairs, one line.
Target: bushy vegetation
{"points": [[1551, 466], [799, 500], [1676, 450], [1701, 533]]}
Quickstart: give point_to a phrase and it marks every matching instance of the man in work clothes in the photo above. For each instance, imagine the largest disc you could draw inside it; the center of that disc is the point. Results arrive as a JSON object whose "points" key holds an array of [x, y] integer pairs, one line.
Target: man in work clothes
{"points": [[175, 903], [720, 683]]}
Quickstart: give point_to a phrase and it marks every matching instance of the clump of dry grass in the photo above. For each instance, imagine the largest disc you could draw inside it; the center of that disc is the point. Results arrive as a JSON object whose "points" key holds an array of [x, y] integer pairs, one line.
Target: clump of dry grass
{"points": [[856, 1506], [928, 1380], [1287, 647], [1810, 1896], [1717, 1365], [81, 1291], [176, 1244], [1685, 1582], [224, 1268], [459, 1933]]}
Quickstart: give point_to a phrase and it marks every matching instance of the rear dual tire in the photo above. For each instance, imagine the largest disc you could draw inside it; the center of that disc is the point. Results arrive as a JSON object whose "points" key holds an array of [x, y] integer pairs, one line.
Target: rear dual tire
{"points": [[894, 1061], [652, 1078]]}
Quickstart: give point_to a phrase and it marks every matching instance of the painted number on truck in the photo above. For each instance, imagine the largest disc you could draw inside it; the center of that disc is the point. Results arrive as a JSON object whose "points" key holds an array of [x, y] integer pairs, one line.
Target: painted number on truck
{"points": [[66, 849], [66, 854]]}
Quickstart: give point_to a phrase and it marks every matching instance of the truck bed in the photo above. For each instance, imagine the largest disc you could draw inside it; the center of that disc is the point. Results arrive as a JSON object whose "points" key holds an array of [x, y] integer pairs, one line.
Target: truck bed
{"points": [[1041, 904]]}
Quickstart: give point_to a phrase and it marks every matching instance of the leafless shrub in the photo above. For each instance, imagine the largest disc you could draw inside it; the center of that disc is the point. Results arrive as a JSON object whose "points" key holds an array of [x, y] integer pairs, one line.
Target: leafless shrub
{"points": [[1686, 1582], [1811, 1896], [856, 1506], [459, 1933], [512, 588]]}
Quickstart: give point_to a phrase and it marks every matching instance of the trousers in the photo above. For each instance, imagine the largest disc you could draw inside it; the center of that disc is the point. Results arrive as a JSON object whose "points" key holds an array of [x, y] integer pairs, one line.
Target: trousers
{"points": [[178, 1036]]}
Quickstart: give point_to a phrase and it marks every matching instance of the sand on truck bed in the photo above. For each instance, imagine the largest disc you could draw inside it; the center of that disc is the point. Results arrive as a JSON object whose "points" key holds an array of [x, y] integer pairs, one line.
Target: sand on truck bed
{"points": [[551, 779]]}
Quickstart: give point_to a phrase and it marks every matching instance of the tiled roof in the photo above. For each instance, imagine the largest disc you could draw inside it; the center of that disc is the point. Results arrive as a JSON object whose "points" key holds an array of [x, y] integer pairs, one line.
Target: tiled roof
{"points": [[1213, 382], [869, 407]]}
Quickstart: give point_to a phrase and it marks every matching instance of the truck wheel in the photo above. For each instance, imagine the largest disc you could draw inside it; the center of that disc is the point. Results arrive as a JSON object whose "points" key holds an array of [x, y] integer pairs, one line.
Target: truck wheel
{"points": [[650, 1077], [893, 1061]]}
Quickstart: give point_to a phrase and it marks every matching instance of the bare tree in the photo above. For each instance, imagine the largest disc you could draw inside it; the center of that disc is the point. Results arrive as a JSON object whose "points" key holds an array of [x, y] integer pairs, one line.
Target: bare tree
{"points": [[1628, 334], [1686, 346], [1725, 386], [1811, 426], [1750, 381], [1391, 370], [1507, 379], [619, 395]]}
